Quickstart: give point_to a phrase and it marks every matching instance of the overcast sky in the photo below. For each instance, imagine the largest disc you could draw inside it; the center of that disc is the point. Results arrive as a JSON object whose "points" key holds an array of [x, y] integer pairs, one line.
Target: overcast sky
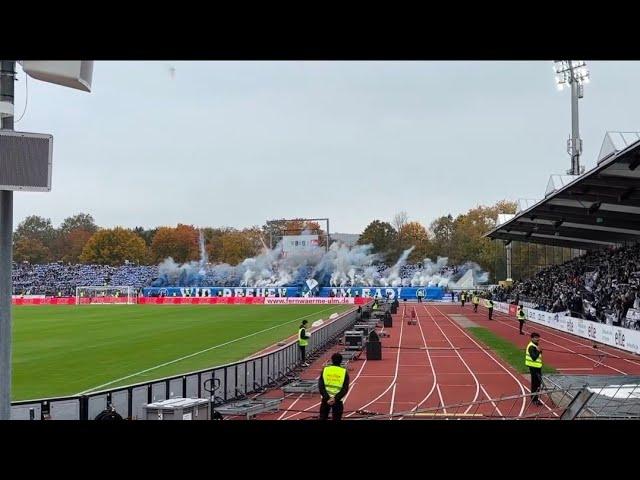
{"points": [[237, 143]]}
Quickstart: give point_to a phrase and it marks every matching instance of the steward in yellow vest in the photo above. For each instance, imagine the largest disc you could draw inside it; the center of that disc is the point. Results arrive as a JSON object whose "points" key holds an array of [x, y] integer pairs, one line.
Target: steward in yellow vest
{"points": [[303, 341], [333, 385], [475, 301], [489, 304], [533, 360], [521, 316]]}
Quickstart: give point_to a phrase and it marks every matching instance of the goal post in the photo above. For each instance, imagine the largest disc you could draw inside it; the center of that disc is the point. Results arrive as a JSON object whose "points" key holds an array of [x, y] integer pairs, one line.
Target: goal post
{"points": [[108, 295]]}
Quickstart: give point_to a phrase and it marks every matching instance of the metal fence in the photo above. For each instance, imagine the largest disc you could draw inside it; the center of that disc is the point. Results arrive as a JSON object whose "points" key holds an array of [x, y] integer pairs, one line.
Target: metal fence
{"points": [[587, 399], [234, 381]]}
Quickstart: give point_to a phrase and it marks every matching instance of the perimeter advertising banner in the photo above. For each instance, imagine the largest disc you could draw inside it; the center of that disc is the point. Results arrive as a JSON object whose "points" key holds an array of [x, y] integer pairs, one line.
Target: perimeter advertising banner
{"points": [[402, 293], [618, 337]]}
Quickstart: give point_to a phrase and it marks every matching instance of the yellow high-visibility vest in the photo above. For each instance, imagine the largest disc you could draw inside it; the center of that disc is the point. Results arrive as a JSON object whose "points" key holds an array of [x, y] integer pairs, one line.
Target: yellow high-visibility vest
{"points": [[521, 315], [333, 377], [303, 342], [528, 361], [488, 303], [476, 300]]}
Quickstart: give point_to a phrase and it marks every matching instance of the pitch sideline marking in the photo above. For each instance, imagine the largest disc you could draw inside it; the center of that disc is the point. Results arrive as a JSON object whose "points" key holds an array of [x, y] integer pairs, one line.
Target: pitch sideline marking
{"points": [[198, 353]]}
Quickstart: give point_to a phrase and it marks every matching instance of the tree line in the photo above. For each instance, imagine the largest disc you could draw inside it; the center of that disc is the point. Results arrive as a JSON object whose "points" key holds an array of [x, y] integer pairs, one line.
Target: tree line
{"points": [[460, 239], [79, 240]]}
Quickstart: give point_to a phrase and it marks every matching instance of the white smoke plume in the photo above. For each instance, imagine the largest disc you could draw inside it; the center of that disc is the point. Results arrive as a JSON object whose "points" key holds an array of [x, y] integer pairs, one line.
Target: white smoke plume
{"points": [[340, 266]]}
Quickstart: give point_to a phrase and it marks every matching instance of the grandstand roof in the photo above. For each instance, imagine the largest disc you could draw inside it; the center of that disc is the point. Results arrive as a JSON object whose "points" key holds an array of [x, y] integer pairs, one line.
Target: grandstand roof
{"points": [[597, 209]]}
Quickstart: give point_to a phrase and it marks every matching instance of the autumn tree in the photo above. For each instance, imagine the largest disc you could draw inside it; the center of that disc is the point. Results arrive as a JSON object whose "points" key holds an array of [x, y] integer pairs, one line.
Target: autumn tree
{"points": [[179, 243], [237, 245], [30, 250], [113, 246], [73, 244], [413, 234], [469, 243]]}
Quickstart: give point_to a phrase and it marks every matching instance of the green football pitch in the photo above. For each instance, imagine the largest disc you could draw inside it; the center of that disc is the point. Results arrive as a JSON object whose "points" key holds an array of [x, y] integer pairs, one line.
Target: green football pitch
{"points": [[65, 350]]}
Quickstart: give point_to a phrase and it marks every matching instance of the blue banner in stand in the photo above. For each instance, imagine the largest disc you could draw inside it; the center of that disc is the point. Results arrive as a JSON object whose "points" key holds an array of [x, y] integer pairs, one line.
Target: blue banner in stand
{"points": [[408, 293], [402, 293], [220, 291]]}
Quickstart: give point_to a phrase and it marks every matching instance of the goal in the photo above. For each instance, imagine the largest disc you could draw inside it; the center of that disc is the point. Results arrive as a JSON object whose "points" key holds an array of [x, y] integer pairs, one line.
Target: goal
{"points": [[111, 295]]}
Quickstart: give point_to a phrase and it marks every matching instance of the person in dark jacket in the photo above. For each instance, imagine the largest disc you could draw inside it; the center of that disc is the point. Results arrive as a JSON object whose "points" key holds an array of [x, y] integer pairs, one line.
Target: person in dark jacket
{"points": [[333, 385]]}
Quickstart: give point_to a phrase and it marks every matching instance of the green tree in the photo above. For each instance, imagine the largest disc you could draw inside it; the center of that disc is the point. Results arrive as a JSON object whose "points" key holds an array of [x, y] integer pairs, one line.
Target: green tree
{"points": [[442, 230], [147, 235], [381, 235], [112, 246], [36, 228], [79, 221]]}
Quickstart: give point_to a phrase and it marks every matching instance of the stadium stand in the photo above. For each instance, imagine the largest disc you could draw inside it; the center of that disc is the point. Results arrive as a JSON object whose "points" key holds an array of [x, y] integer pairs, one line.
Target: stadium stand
{"points": [[598, 284]]}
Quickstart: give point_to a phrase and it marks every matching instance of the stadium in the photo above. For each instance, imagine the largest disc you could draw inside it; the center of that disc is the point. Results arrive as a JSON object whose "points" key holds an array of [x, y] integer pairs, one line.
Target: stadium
{"points": [[430, 322]]}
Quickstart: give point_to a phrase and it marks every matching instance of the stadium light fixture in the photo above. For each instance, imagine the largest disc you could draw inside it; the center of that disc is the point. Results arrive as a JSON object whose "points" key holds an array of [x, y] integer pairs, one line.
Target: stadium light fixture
{"points": [[573, 74]]}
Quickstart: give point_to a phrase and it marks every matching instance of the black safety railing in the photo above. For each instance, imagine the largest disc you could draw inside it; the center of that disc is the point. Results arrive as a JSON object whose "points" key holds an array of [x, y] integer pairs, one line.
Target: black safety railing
{"points": [[233, 381]]}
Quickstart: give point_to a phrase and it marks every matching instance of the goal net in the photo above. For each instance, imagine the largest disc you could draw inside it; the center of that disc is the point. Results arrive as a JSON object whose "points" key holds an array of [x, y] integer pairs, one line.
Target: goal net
{"points": [[111, 295]]}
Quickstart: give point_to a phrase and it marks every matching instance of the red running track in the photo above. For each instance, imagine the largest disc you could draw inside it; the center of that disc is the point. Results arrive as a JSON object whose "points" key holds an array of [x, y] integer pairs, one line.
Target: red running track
{"points": [[435, 363], [568, 354]]}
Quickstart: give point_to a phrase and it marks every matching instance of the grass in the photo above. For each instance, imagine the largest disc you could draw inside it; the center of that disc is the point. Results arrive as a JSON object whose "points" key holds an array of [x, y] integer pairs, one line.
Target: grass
{"points": [[506, 350], [63, 350]]}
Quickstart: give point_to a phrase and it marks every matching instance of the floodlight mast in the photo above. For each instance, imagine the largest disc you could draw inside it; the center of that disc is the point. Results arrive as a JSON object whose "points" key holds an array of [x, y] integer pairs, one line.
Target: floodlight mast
{"points": [[7, 74], [78, 77], [575, 74]]}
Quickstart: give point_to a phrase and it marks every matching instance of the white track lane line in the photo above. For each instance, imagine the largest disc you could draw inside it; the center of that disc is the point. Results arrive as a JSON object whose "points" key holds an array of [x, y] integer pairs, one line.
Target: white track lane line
{"points": [[352, 383], [395, 375], [475, 379], [551, 331], [522, 387], [492, 402], [596, 362], [444, 409], [521, 384]]}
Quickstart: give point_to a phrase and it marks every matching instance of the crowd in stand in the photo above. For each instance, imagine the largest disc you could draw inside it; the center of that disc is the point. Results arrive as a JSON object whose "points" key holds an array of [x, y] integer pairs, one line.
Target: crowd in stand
{"points": [[61, 279], [601, 285]]}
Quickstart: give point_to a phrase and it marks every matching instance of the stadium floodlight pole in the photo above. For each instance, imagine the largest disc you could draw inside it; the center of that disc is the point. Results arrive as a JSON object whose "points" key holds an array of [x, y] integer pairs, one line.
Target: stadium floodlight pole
{"points": [[575, 74], [7, 74]]}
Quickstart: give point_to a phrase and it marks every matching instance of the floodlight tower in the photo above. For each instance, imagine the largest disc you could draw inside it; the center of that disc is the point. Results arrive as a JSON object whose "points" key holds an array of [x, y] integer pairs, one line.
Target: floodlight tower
{"points": [[573, 73]]}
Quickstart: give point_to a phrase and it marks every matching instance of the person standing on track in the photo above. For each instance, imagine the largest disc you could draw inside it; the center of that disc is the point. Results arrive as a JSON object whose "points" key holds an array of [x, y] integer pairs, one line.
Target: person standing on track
{"points": [[463, 298], [303, 341], [521, 318], [533, 360], [489, 304], [475, 301], [333, 385]]}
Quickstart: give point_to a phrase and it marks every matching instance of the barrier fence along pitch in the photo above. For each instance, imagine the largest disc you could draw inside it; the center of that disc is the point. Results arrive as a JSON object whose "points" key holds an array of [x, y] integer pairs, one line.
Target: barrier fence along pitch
{"points": [[259, 372]]}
